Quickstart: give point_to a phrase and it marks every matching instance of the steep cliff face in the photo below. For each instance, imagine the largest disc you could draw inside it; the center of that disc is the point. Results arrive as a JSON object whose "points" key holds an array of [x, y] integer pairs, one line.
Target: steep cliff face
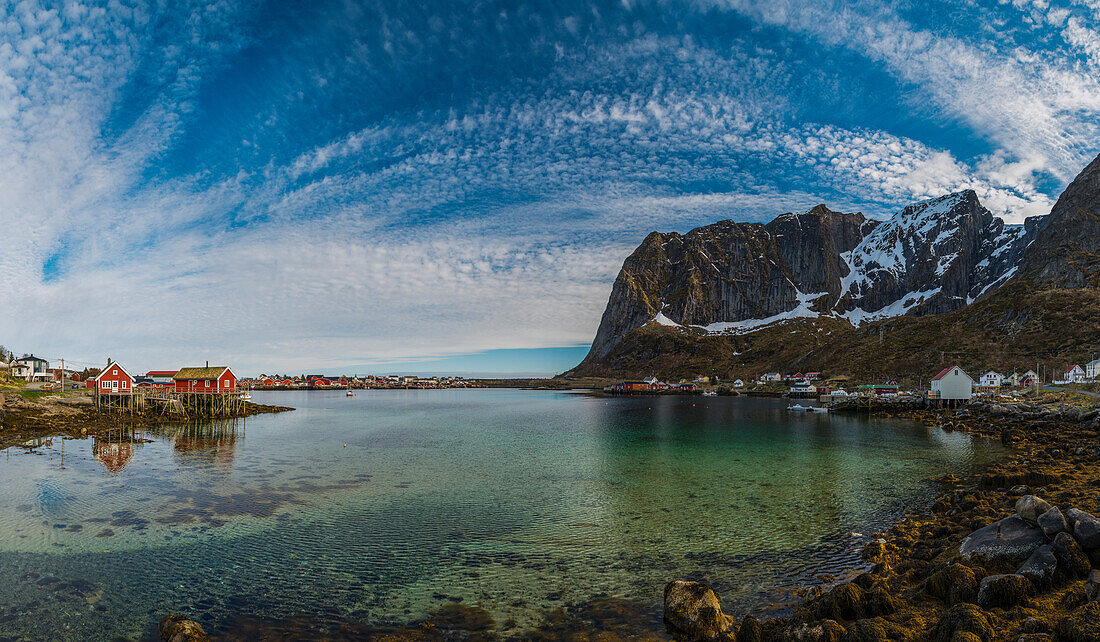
{"points": [[731, 278], [732, 272], [1066, 252]]}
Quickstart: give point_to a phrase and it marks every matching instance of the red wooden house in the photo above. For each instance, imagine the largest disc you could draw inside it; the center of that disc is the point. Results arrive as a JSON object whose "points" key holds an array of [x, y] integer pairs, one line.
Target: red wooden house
{"points": [[205, 380], [162, 378], [114, 380]]}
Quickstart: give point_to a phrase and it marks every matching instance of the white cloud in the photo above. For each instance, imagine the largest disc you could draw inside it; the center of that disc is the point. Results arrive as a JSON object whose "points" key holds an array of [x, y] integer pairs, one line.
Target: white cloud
{"points": [[497, 221]]}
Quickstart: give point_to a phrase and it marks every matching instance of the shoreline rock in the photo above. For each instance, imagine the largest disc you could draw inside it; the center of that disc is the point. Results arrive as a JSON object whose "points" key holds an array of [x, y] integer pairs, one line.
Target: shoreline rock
{"points": [[1002, 555]]}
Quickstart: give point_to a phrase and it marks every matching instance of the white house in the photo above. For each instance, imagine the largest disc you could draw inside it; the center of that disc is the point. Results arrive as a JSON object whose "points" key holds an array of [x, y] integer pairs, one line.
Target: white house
{"points": [[992, 380], [1076, 374], [737, 383], [1092, 369], [803, 388], [33, 367], [772, 376], [650, 380], [952, 383]]}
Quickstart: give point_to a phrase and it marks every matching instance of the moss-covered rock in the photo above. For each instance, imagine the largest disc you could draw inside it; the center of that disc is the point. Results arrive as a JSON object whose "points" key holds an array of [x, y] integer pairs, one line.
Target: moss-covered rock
{"points": [[750, 630], [963, 618], [693, 613], [843, 602], [953, 584], [1004, 591], [176, 628], [1083, 625], [1072, 561]]}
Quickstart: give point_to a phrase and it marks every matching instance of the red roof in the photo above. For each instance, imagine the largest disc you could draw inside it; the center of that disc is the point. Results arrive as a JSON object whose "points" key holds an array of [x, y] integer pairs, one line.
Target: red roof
{"points": [[943, 373], [161, 373]]}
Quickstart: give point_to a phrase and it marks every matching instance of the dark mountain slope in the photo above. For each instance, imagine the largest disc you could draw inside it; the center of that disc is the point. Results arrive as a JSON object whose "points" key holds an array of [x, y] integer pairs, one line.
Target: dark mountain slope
{"points": [[1008, 298]]}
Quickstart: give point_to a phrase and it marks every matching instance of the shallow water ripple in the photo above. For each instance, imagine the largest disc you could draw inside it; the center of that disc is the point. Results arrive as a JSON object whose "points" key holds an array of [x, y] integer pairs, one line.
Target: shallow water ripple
{"points": [[392, 507]]}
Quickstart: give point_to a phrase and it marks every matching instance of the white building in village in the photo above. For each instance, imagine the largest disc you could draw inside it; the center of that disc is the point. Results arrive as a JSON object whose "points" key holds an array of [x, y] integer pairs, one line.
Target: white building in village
{"points": [[1076, 374], [992, 380], [953, 384], [1092, 369]]}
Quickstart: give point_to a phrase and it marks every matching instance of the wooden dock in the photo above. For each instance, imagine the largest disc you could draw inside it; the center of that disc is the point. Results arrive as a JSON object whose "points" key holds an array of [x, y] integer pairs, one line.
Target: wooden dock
{"points": [[172, 404]]}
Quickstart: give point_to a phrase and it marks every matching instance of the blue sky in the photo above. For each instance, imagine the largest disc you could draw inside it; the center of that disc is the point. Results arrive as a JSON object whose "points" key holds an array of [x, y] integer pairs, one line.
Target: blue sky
{"points": [[318, 186]]}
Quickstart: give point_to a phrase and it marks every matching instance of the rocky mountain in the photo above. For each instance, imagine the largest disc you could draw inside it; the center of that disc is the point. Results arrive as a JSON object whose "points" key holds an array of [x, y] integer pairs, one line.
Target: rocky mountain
{"points": [[1067, 255], [734, 278]]}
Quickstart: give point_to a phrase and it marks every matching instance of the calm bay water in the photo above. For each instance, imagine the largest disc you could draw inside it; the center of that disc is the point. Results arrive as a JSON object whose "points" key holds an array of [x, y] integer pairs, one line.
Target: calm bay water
{"points": [[382, 507]]}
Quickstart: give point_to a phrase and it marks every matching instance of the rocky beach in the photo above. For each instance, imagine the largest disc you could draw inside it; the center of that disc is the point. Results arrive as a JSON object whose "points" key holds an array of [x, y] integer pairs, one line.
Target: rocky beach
{"points": [[50, 415], [1009, 553]]}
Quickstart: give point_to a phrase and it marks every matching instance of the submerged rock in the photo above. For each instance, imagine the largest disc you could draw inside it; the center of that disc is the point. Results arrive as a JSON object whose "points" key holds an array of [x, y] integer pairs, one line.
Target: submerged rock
{"points": [[1008, 541], [1030, 507], [693, 612], [1053, 522], [1040, 567], [1003, 591], [176, 628]]}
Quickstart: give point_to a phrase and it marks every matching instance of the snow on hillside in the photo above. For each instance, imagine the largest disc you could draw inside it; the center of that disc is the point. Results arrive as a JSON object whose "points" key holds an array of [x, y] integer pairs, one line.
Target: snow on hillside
{"points": [[891, 249], [903, 263]]}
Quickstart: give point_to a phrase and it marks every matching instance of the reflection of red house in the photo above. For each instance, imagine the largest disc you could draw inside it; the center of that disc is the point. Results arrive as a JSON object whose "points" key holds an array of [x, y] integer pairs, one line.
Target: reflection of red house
{"points": [[113, 456], [209, 379]]}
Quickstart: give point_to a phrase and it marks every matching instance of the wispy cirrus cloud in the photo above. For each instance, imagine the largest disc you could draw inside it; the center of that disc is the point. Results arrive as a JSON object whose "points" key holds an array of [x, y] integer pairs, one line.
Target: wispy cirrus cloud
{"points": [[306, 186]]}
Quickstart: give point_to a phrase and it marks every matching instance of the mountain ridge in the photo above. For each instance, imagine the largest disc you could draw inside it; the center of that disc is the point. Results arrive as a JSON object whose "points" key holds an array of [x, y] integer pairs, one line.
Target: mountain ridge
{"points": [[942, 263]]}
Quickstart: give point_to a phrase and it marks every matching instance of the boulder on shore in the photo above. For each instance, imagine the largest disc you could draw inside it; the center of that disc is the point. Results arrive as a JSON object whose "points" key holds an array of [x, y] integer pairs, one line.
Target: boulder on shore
{"points": [[1005, 591], [1053, 522], [1086, 528], [953, 584], [1030, 507], [1040, 567], [1072, 561], [961, 619], [176, 628], [693, 613], [1003, 543]]}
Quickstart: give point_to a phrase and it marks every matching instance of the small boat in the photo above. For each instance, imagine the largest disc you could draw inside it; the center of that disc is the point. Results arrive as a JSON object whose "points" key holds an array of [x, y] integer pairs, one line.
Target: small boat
{"points": [[246, 396], [350, 393], [797, 408], [819, 409], [710, 393]]}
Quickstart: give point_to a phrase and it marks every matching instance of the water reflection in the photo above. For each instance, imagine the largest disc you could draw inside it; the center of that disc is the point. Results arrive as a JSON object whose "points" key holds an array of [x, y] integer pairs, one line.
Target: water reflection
{"points": [[382, 507], [207, 446], [114, 452]]}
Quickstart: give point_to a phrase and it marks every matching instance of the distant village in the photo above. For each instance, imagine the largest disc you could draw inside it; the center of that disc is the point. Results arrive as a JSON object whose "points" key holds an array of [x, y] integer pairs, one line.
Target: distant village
{"points": [[114, 378], [951, 383]]}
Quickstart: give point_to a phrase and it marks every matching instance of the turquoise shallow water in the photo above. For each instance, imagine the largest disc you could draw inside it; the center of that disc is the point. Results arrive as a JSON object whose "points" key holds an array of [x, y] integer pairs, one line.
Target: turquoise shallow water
{"points": [[382, 507]]}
